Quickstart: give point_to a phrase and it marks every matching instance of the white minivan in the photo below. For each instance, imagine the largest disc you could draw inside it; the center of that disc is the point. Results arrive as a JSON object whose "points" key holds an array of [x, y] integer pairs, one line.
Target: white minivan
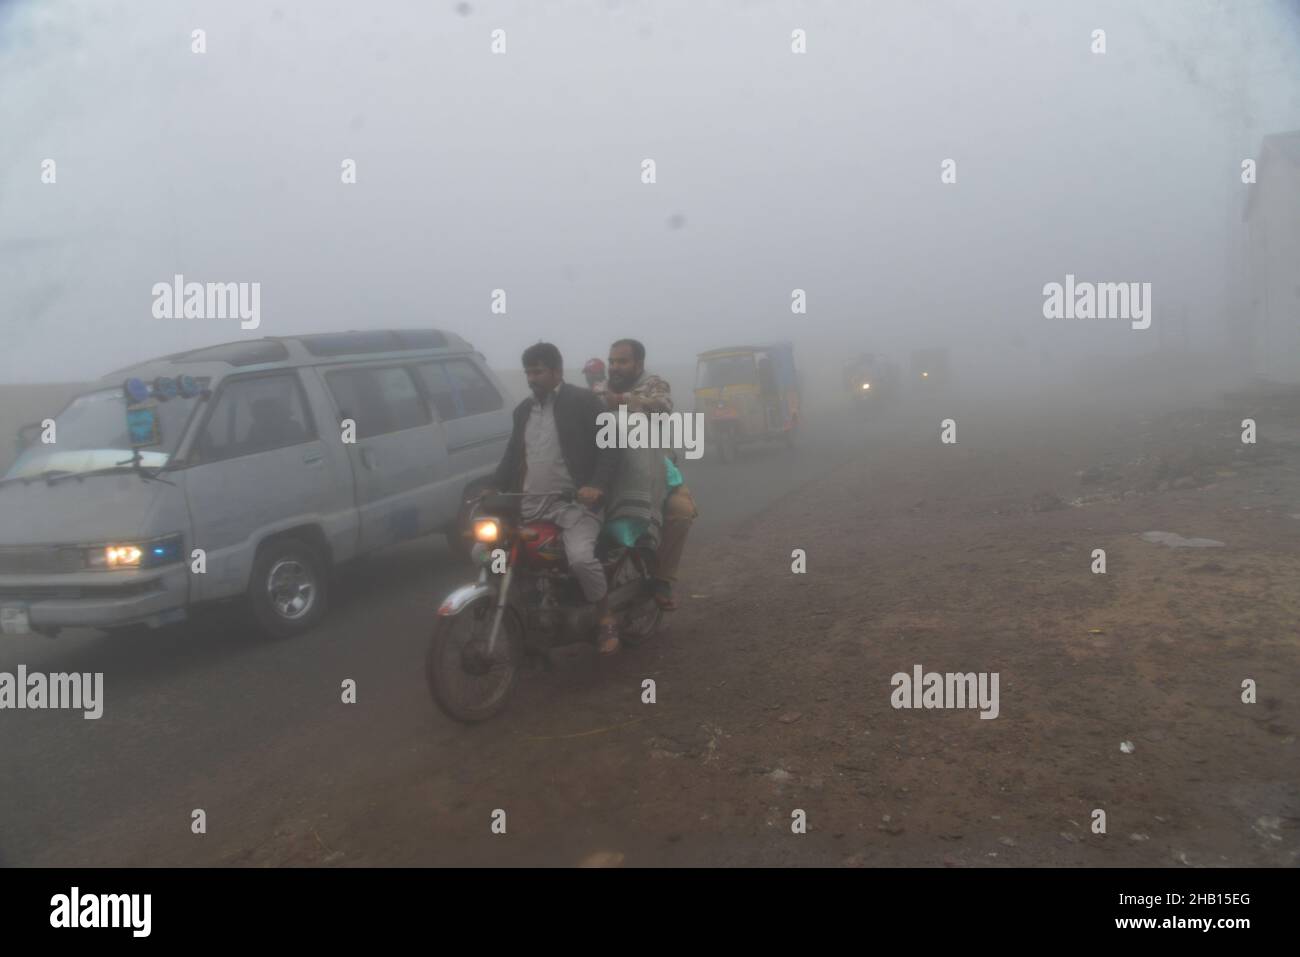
{"points": [[246, 469]]}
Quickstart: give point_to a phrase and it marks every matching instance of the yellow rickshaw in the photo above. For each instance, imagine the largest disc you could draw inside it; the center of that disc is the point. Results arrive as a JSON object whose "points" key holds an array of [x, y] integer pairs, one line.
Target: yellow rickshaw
{"points": [[747, 394]]}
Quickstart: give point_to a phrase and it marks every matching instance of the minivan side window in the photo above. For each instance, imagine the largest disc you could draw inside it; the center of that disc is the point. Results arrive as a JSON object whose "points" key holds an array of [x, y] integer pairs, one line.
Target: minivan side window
{"points": [[378, 400], [458, 389], [256, 414]]}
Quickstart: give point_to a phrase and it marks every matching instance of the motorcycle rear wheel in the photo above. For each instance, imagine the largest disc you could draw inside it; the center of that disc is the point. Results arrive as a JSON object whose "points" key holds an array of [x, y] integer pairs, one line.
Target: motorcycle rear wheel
{"points": [[465, 683], [639, 622]]}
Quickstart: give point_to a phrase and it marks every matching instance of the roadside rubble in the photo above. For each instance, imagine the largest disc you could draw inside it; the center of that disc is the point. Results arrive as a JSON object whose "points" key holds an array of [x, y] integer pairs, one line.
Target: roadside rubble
{"points": [[1198, 448], [1046, 502], [1174, 540]]}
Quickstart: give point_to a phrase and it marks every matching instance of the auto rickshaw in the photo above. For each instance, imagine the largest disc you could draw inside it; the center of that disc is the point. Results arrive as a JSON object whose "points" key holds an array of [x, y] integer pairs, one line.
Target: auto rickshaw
{"points": [[747, 394]]}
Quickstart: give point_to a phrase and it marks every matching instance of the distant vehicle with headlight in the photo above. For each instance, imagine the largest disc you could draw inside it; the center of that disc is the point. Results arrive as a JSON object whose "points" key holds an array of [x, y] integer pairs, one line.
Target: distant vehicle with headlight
{"points": [[871, 380], [249, 471], [930, 371]]}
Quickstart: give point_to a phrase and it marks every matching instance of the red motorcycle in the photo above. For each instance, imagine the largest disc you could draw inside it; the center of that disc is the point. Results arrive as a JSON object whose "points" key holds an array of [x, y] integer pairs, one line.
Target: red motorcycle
{"points": [[524, 603]]}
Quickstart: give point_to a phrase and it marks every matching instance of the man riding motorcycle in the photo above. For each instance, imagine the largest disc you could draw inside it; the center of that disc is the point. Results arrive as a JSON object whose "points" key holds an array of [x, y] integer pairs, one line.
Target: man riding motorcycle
{"points": [[640, 391], [552, 455]]}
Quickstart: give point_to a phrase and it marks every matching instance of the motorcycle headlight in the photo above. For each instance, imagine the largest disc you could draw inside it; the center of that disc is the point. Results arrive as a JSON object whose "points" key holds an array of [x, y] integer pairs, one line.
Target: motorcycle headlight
{"points": [[486, 530], [133, 555], [865, 386]]}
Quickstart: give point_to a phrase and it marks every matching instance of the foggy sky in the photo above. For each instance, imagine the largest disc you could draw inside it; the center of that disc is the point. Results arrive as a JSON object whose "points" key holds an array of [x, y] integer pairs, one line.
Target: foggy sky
{"points": [[522, 171]]}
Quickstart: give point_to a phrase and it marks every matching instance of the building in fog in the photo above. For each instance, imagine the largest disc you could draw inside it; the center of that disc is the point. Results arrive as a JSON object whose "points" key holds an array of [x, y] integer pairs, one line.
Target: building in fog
{"points": [[1270, 326]]}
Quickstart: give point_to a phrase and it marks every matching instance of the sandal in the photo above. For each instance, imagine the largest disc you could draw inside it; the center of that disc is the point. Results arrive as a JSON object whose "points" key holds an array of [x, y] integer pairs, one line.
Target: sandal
{"points": [[663, 593], [607, 642]]}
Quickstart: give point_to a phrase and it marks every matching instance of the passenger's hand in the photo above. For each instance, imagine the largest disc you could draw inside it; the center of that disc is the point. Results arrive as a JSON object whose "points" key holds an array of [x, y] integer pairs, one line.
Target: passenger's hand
{"points": [[589, 496]]}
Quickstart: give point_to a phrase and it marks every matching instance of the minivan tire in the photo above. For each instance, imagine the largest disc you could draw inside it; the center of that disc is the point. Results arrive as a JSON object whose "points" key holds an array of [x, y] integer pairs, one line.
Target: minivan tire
{"points": [[288, 589]]}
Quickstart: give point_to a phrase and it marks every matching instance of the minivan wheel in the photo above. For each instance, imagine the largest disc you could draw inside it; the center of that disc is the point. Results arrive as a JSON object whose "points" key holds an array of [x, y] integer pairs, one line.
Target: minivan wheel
{"points": [[288, 589]]}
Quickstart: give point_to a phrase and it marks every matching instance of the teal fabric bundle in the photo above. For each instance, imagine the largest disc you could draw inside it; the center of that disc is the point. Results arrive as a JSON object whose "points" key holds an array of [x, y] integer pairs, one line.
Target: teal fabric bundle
{"points": [[674, 476], [637, 508]]}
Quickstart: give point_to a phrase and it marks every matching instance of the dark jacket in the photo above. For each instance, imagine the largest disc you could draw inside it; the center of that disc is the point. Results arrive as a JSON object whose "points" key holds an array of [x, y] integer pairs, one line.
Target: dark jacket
{"points": [[575, 421]]}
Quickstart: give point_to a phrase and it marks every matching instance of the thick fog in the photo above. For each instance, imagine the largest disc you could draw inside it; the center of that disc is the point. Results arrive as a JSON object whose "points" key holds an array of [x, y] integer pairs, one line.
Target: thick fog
{"points": [[522, 171]]}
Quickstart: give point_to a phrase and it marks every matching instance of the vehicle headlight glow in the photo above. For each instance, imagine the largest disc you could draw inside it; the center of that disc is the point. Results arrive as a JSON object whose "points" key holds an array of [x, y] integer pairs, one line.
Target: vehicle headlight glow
{"points": [[925, 375], [486, 530], [118, 555], [866, 385], [121, 556]]}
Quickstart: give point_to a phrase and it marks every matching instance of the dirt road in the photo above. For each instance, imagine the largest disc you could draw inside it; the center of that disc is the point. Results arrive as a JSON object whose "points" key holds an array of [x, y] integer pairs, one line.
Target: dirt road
{"points": [[773, 689], [207, 716]]}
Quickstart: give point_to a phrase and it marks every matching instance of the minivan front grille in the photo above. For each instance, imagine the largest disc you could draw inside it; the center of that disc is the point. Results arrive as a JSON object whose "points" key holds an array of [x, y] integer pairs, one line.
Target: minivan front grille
{"points": [[77, 592], [40, 559]]}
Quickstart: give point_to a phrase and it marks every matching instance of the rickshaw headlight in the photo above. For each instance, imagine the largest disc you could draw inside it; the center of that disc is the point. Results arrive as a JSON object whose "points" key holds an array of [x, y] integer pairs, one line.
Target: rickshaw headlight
{"points": [[486, 530]]}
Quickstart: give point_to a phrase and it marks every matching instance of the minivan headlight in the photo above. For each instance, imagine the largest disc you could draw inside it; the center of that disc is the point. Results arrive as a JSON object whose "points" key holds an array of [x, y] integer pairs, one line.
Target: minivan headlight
{"points": [[119, 555], [122, 556]]}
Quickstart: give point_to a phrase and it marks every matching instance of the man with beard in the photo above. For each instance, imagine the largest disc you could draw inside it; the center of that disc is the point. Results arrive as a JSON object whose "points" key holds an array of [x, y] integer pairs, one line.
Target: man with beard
{"points": [[631, 385]]}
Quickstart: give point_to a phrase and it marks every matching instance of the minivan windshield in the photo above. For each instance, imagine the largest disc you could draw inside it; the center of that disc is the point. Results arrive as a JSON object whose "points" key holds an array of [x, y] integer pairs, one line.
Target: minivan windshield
{"points": [[91, 435]]}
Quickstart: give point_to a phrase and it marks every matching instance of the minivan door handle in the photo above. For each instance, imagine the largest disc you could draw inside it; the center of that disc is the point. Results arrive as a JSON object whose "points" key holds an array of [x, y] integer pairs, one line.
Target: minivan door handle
{"points": [[312, 458]]}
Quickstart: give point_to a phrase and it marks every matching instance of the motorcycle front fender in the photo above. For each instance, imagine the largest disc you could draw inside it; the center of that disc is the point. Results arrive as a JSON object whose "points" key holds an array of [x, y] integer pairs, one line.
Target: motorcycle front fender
{"points": [[458, 600]]}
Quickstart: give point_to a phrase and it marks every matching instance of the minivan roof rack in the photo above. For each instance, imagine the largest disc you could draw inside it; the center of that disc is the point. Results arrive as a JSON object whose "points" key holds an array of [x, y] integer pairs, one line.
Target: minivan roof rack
{"points": [[269, 349]]}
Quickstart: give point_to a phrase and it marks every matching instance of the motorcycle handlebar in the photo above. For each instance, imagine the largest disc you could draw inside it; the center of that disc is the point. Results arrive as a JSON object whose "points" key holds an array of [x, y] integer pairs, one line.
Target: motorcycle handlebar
{"points": [[559, 496], [513, 501]]}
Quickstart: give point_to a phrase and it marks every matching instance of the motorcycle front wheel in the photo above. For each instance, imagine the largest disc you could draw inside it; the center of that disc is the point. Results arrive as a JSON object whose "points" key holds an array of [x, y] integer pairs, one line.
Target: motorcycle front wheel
{"points": [[467, 683]]}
